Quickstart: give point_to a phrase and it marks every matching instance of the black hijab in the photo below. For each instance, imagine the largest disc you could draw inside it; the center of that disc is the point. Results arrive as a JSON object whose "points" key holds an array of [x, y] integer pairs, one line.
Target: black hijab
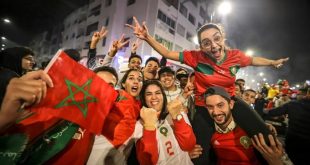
{"points": [[11, 58]]}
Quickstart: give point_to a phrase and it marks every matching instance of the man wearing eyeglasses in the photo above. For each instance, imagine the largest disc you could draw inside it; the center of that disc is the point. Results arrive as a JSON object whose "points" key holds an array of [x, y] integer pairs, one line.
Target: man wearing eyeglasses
{"points": [[215, 65]]}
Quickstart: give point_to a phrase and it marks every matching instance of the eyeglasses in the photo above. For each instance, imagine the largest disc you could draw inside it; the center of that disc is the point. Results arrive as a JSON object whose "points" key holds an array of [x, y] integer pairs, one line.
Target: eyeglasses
{"points": [[208, 43]]}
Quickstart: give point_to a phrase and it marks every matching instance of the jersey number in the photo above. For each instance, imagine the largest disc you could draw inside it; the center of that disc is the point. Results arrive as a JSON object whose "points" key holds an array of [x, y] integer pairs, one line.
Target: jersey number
{"points": [[169, 148]]}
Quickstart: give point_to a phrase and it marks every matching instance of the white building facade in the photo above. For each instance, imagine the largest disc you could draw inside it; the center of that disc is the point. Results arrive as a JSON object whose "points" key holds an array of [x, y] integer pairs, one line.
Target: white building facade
{"points": [[172, 22]]}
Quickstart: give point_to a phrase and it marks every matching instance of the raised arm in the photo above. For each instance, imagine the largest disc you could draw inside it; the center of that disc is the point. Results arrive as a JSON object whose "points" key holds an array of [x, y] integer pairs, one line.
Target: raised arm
{"points": [[142, 33], [183, 132], [91, 62], [117, 45], [260, 61], [147, 149]]}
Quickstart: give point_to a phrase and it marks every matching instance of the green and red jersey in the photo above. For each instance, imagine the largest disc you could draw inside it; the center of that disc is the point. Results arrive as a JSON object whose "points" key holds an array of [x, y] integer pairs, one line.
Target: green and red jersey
{"points": [[233, 148], [209, 73]]}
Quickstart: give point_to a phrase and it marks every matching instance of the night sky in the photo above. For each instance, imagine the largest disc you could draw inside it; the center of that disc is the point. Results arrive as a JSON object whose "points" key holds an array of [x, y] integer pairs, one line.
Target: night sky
{"points": [[272, 28]]}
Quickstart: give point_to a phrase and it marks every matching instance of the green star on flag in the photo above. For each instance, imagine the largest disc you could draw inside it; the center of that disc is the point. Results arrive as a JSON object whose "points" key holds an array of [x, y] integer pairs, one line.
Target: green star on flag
{"points": [[70, 100], [74, 92]]}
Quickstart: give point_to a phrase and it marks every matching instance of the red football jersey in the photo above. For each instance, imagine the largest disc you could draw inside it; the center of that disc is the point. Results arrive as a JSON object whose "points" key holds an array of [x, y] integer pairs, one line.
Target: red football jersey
{"points": [[209, 73], [234, 148]]}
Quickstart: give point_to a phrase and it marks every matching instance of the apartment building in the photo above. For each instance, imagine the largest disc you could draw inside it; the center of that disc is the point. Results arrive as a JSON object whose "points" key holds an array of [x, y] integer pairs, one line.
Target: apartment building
{"points": [[172, 22]]}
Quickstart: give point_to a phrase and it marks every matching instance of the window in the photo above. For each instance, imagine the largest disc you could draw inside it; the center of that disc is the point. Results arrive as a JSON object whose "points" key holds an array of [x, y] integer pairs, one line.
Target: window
{"points": [[130, 2], [202, 13], [129, 21], [173, 3], [54, 41], [80, 33], [67, 37], [91, 28], [82, 17], [86, 46], [195, 3], [126, 39], [164, 42], [108, 3], [104, 41], [191, 18], [183, 10], [95, 11], [170, 22], [106, 22], [171, 31], [199, 25], [73, 35], [181, 30], [189, 36]]}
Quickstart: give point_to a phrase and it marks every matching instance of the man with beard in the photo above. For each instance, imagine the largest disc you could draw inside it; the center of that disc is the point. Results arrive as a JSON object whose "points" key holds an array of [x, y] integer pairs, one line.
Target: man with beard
{"points": [[230, 142], [215, 65]]}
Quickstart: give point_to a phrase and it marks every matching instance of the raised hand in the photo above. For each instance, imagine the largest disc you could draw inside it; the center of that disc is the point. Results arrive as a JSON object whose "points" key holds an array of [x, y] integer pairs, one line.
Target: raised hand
{"points": [[278, 63], [272, 153], [140, 31], [189, 88], [117, 45], [175, 107], [98, 36], [24, 91], [135, 46], [149, 117]]}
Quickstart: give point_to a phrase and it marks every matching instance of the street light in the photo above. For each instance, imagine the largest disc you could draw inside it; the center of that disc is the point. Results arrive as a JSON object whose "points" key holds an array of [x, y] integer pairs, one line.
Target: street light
{"points": [[264, 79], [224, 8], [3, 38], [6, 20], [261, 74]]}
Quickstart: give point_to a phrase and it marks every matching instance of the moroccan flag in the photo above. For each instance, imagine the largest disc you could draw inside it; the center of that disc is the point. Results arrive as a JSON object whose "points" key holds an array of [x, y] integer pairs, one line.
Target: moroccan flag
{"points": [[78, 94]]}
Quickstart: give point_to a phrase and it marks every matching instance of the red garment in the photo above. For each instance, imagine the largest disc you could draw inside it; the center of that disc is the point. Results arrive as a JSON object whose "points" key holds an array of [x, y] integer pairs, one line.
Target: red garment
{"points": [[120, 123], [148, 148], [85, 99], [208, 73], [234, 148]]}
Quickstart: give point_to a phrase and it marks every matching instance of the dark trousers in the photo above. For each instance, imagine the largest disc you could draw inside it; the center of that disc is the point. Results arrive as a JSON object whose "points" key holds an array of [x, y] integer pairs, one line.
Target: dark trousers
{"points": [[203, 126]]}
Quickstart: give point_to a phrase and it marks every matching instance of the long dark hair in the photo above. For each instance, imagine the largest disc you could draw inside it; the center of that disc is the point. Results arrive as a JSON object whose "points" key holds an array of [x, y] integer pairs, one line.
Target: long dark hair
{"points": [[164, 112]]}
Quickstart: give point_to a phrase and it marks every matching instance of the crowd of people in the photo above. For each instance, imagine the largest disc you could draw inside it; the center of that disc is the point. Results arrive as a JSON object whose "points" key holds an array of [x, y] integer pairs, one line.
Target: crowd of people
{"points": [[161, 115]]}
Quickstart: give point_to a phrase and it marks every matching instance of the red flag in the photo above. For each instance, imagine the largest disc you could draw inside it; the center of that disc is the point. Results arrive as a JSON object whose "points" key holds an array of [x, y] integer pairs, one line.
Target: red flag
{"points": [[78, 94]]}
